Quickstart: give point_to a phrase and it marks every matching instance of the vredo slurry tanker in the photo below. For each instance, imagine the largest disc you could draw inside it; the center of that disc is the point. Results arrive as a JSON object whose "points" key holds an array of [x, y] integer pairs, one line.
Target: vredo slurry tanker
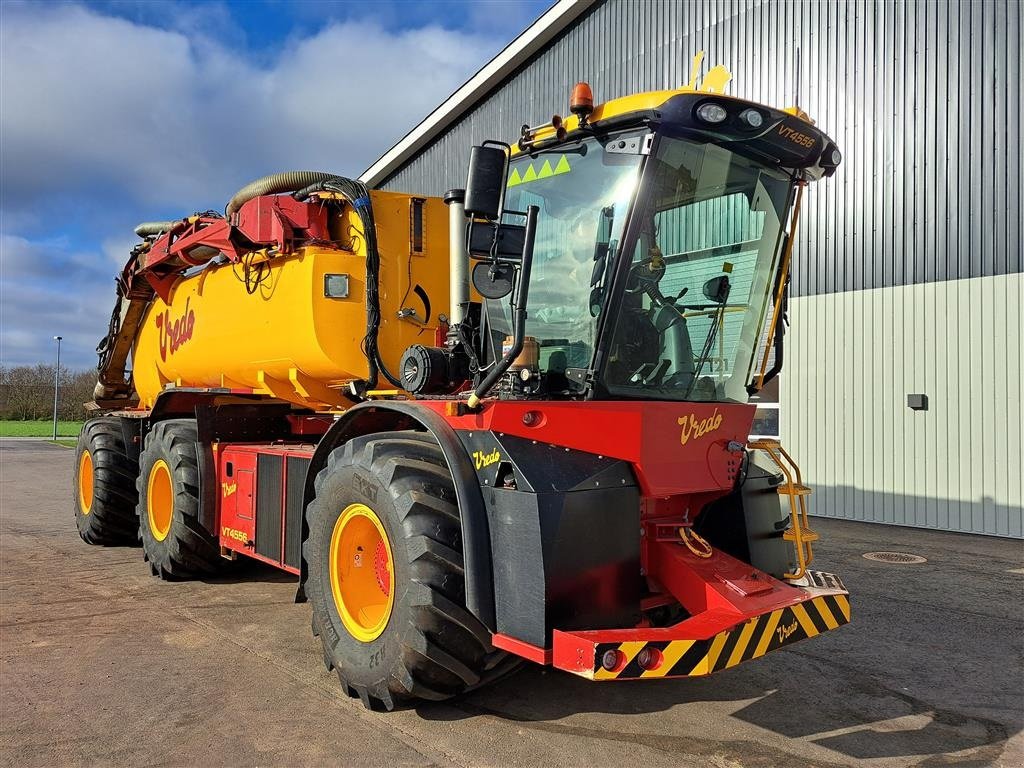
{"points": [[507, 424]]}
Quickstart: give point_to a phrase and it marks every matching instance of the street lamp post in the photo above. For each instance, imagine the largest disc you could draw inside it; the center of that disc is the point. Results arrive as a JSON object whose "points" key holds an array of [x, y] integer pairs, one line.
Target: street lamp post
{"points": [[56, 387]]}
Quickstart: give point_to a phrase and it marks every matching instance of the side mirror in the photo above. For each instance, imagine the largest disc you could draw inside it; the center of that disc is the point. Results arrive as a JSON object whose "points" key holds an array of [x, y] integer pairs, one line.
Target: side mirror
{"points": [[717, 289], [493, 280], [485, 187]]}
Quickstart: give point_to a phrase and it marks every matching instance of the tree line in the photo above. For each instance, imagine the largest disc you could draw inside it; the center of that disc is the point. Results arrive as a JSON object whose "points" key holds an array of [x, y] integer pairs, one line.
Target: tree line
{"points": [[26, 392]]}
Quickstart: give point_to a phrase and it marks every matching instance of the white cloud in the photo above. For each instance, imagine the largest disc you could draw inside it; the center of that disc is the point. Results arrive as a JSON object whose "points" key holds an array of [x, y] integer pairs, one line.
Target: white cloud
{"points": [[87, 99], [102, 118], [48, 289]]}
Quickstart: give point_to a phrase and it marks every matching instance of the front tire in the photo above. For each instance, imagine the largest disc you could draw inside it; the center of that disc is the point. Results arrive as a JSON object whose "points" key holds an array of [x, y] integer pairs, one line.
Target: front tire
{"points": [[104, 485], [173, 541], [386, 577]]}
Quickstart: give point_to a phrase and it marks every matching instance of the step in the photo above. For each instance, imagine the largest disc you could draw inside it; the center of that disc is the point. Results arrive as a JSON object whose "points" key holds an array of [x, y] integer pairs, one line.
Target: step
{"points": [[795, 489], [806, 535]]}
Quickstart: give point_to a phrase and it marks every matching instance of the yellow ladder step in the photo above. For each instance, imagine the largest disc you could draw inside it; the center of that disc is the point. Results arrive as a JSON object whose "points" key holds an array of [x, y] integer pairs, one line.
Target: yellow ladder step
{"points": [[806, 535], [796, 489]]}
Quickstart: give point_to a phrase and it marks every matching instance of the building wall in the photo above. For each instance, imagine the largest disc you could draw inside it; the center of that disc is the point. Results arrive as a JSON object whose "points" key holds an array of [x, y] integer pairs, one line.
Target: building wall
{"points": [[852, 359], [924, 99]]}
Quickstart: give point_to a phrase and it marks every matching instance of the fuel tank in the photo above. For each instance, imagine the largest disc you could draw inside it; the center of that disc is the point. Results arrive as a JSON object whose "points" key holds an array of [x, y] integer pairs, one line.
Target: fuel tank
{"points": [[292, 325]]}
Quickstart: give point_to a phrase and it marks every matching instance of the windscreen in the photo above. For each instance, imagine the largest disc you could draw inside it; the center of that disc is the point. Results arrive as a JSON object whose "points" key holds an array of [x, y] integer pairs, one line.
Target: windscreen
{"points": [[584, 191], [701, 276]]}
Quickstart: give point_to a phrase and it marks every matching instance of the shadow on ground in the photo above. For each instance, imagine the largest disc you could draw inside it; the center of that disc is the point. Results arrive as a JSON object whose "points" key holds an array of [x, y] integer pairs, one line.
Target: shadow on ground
{"points": [[931, 665]]}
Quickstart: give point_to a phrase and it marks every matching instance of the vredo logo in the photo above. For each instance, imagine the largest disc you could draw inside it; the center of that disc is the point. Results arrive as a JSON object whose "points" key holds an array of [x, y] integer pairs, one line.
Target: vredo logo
{"points": [[482, 459], [174, 333], [784, 632], [692, 427]]}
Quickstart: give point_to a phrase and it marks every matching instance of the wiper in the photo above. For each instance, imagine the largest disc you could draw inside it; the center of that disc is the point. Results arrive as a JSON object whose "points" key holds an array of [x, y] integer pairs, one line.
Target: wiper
{"points": [[602, 246], [602, 243]]}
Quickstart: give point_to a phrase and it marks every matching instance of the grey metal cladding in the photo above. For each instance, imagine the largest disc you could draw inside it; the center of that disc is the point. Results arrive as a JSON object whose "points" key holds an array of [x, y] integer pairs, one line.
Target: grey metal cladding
{"points": [[924, 99]]}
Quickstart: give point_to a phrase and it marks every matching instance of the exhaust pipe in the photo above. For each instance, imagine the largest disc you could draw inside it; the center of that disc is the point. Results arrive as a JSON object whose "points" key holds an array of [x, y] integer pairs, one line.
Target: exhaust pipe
{"points": [[458, 255]]}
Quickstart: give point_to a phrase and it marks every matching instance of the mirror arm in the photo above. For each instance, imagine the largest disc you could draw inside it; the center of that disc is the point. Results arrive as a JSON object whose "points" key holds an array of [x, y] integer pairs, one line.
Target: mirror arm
{"points": [[519, 300]]}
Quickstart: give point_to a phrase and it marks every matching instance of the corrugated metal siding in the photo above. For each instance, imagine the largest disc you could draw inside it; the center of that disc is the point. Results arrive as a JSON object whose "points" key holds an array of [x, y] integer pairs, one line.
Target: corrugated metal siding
{"points": [[924, 98], [852, 359]]}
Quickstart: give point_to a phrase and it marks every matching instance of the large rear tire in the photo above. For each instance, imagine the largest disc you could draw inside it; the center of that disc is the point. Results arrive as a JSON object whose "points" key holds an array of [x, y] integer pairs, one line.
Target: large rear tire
{"points": [[104, 485], [386, 574], [173, 541]]}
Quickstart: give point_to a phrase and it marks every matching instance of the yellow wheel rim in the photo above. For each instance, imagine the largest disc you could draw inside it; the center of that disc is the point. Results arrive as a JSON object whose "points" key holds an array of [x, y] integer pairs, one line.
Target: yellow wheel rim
{"points": [[160, 500], [86, 482], [362, 573]]}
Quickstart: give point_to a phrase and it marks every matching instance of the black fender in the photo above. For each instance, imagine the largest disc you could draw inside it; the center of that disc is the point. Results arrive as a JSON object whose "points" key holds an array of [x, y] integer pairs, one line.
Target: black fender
{"points": [[393, 415]]}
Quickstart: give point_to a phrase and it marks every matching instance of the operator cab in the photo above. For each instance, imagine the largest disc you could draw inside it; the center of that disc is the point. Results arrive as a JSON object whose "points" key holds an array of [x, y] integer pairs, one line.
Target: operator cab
{"points": [[657, 247]]}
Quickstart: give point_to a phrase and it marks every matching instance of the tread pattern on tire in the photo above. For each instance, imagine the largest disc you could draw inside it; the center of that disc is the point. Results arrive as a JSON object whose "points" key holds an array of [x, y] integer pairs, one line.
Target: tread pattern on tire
{"points": [[445, 650], [112, 518], [189, 550]]}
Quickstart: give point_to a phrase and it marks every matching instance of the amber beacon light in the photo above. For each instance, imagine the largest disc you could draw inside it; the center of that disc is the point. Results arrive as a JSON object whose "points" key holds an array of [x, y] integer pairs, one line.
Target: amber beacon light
{"points": [[582, 102]]}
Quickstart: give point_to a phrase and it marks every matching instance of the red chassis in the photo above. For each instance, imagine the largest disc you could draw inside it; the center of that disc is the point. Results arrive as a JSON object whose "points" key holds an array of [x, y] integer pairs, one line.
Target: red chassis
{"points": [[684, 456]]}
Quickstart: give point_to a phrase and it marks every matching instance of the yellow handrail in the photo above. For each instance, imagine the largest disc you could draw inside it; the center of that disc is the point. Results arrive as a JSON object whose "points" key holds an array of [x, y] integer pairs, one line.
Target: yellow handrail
{"points": [[800, 533]]}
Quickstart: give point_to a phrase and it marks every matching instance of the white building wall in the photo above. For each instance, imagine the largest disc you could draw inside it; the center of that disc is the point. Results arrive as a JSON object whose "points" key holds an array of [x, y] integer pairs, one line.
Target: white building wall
{"points": [[851, 360]]}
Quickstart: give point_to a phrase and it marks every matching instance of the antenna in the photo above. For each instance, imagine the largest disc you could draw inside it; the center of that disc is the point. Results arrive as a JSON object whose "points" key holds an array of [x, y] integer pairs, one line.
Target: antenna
{"points": [[796, 87]]}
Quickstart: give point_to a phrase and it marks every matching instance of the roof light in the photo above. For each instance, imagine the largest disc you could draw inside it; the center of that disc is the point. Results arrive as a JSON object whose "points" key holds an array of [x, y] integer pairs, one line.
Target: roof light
{"points": [[582, 102], [710, 112], [752, 118]]}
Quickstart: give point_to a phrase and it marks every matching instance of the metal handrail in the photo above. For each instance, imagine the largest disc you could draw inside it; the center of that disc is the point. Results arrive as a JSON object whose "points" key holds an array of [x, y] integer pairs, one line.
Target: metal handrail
{"points": [[800, 532]]}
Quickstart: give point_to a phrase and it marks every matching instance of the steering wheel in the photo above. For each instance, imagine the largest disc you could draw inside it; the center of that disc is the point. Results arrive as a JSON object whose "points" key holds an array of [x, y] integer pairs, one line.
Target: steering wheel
{"points": [[645, 274]]}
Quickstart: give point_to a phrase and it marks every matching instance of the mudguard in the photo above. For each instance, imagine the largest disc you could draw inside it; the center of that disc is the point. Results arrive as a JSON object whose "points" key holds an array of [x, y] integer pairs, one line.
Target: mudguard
{"points": [[387, 416]]}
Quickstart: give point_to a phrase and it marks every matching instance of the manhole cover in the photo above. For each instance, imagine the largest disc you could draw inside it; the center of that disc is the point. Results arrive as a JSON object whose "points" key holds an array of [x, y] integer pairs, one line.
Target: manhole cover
{"points": [[894, 557]]}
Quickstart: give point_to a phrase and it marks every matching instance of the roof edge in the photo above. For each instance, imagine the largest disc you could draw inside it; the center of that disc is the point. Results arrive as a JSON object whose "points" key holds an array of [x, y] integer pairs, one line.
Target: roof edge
{"points": [[535, 37]]}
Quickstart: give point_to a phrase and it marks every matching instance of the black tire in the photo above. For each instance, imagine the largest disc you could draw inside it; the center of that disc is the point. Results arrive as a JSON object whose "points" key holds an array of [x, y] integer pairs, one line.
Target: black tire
{"points": [[186, 550], [104, 485], [432, 647]]}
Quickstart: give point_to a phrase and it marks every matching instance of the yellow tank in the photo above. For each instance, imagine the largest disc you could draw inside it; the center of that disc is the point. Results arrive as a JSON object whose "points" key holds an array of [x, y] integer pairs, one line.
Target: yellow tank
{"points": [[267, 325]]}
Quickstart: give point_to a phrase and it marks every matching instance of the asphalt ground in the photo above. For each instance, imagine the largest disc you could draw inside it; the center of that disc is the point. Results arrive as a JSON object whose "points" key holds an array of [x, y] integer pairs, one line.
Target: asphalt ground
{"points": [[100, 663]]}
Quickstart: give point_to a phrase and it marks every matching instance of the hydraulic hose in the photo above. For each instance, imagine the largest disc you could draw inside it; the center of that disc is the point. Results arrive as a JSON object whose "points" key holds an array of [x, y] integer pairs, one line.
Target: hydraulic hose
{"points": [[274, 184], [358, 196], [153, 228]]}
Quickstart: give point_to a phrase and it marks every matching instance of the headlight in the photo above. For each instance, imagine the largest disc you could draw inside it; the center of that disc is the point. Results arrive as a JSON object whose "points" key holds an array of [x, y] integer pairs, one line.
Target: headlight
{"points": [[712, 112], [835, 156]]}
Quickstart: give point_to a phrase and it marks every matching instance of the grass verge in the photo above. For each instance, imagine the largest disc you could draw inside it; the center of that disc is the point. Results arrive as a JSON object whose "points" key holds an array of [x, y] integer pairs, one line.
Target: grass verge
{"points": [[11, 428]]}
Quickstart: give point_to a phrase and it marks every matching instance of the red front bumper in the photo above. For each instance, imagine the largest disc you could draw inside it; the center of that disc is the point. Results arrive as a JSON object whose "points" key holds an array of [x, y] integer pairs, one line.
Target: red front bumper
{"points": [[736, 613], [709, 642]]}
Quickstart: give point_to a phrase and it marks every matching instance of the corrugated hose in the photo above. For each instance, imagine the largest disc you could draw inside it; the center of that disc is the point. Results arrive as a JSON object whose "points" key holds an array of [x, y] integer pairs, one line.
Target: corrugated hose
{"points": [[274, 184]]}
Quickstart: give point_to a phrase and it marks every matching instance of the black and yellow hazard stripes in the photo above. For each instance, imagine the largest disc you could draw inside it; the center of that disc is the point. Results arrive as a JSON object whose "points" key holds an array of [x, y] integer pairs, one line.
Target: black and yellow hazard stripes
{"points": [[755, 638], [541, 171]]}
